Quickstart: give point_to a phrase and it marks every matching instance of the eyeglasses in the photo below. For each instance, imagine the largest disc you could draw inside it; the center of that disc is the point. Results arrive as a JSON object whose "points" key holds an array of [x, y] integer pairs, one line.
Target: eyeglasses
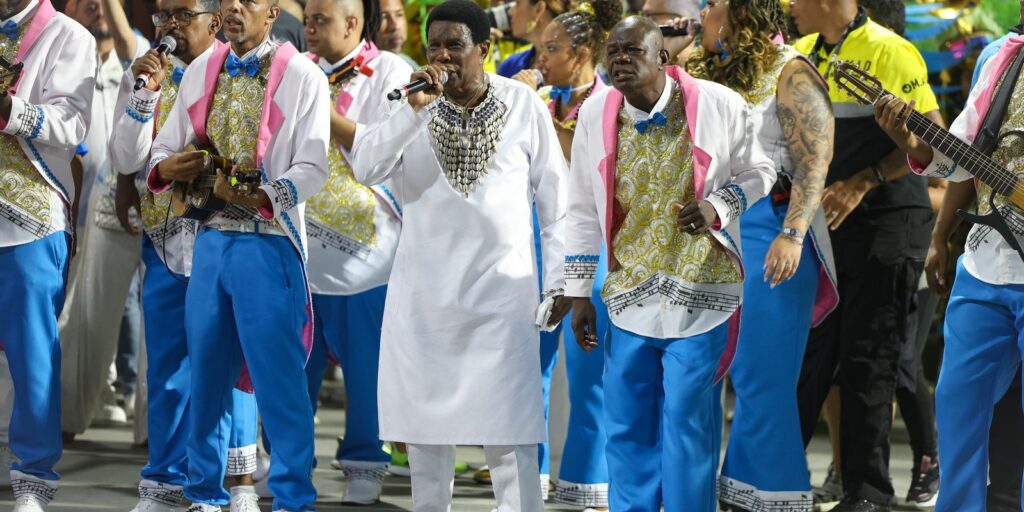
{"points": [[181, 18]]}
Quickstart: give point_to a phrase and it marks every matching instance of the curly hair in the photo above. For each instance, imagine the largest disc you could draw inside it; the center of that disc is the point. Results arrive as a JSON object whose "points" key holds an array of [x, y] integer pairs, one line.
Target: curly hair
{"points": [[752, 51], [589, 26]]}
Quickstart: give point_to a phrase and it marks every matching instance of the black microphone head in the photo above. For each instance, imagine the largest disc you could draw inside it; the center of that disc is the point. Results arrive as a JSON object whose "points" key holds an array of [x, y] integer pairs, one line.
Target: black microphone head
{"points": [[168, 43]]}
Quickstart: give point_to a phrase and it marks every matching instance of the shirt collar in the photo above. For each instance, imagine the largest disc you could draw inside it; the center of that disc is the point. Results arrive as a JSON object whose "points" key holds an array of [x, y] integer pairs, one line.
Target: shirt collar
{"points": [[666, 95], [178, 63], [331, 66], [24, 13], [259, 51]]}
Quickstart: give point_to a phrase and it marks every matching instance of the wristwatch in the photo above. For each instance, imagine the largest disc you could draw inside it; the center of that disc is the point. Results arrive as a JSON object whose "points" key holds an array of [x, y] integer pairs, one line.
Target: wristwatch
{"points": [[793, 234]]}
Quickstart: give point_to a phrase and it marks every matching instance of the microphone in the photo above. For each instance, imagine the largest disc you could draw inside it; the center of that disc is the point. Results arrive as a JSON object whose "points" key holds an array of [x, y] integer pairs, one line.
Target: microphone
{"points": [[167, 45], [670, 31], [537, 75], [414, 87]]}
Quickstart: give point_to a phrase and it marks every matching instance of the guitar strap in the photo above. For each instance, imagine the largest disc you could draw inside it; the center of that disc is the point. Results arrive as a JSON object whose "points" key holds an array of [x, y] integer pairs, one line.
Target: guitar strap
{"points": [[988, 135], [987, 140]]}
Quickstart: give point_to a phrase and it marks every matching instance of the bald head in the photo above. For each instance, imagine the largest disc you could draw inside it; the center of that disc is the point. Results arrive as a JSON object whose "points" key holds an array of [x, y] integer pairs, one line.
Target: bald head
{"points": [[640, 31], [636, 60]]}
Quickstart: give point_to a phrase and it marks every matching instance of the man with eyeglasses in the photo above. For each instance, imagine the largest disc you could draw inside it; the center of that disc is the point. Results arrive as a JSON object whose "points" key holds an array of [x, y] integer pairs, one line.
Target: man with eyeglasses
{"points": [[102, 270], [167, 243]]}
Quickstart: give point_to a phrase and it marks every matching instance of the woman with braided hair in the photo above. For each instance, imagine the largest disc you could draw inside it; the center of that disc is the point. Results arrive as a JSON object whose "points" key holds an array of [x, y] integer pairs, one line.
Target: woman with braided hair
{"points": [[570, 48], [785, 234]]}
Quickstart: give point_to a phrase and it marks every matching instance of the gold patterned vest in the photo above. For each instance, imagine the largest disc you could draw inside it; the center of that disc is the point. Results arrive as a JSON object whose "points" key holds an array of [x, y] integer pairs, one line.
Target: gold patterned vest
{"points": [[1009, 152], [233, 127], [26, 197], [344, 205], [154, 206], [653, 171]]}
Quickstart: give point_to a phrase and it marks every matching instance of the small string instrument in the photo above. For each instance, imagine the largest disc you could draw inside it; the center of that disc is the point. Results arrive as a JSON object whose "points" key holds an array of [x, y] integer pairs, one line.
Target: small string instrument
{"points": [[196, 200], [9, 74], [867, 89]]}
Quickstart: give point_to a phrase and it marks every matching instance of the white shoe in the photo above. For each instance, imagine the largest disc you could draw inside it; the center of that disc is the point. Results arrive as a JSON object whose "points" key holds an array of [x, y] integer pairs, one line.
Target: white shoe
{"points": [[244, 499], [109, 415], [29, 503], [159, 497], [361, 491], [31, 494], [202, 507]]}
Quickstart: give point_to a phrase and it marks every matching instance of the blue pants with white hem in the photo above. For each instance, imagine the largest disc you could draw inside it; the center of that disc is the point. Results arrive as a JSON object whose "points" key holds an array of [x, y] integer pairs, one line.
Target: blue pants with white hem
{"points": [[349, 327], [984, 338], [583, 456], [169, 374], [774, 326], [32, 279], [252, 308], [663, 416]]}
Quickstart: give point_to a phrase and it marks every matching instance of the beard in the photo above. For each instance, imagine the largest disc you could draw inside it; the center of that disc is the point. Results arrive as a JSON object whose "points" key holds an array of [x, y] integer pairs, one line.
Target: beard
{"points": [[99, 31]]}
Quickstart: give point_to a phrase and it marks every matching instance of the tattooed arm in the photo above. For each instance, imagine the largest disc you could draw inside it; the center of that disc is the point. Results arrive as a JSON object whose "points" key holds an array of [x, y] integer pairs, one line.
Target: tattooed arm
{"points": [[808, 126]]}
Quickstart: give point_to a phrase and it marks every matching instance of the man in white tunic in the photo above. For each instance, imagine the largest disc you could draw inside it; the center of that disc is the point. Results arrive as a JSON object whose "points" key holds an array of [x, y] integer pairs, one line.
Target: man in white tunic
{"points": [[459, 359]]}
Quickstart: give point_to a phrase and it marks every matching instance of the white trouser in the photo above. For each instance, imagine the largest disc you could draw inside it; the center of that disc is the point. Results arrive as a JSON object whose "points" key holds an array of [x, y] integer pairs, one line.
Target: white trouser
{"points": [[98, 282], [515, 476]]}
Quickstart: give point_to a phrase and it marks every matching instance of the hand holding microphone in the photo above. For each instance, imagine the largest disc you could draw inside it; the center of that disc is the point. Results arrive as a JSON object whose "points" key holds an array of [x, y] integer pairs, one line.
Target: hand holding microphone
{"points": [[424, 86], [150, 68]]}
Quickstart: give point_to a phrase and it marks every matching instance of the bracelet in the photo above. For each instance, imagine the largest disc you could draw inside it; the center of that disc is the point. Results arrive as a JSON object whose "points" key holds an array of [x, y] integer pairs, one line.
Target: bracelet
{"points": [[878, 174], [792, 235]]}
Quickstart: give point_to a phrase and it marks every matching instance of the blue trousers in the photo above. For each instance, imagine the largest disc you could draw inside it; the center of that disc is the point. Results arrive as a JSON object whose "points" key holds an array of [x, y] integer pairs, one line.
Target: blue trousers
{"points": [[773, 334], [984, 336], [251, 308], [169, 377], [32, 278], [664, 421], [583, 474], [349, 328]]}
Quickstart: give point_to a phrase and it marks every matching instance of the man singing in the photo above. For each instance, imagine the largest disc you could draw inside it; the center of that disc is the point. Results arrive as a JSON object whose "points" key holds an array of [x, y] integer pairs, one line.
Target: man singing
{"points": [[265, 108], [474, 153]]}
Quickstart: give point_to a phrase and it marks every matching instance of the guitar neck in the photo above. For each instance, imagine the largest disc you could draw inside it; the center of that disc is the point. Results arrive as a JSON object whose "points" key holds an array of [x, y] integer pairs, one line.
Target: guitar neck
{"points": [[964, 155]]}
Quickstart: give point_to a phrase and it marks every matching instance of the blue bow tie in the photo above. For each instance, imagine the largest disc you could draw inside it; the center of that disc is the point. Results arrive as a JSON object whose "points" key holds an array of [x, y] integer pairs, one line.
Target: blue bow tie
{"points": [[562, 94], [234, 65], [177, 74], [11, 29], [658, 119]]}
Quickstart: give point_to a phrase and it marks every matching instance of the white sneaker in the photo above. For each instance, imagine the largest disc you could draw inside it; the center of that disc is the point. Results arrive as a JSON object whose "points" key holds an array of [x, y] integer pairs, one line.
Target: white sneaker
{"points": [[202, 507], [365, 481], [31, 494], [109, 415], [29, 503], [159, 497], [244, 499], [361, 491]]}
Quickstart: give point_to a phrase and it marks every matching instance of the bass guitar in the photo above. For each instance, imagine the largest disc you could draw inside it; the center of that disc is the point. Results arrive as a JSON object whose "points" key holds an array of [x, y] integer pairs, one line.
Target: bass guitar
{"points": [[867, 89]]}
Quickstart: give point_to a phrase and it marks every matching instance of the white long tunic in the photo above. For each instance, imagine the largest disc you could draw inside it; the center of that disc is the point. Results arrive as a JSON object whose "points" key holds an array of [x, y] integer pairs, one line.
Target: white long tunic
{"points": [[459, 358]]}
